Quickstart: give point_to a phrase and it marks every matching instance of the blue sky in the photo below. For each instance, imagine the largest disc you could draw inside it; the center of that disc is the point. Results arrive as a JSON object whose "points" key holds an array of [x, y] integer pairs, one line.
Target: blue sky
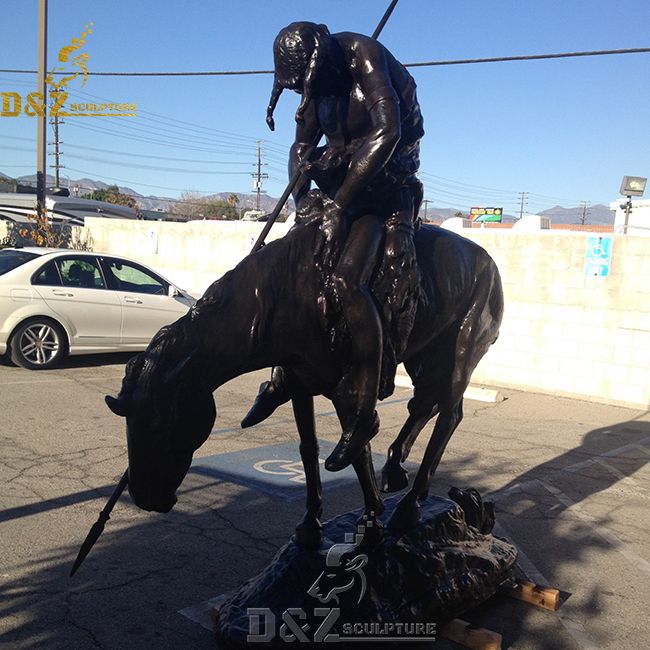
{"points": [[565, 130]]}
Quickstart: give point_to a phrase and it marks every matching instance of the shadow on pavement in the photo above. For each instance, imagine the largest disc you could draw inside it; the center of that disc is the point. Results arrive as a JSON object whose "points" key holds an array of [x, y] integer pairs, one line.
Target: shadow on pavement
{"points": [[531, 509], [146, 567]]}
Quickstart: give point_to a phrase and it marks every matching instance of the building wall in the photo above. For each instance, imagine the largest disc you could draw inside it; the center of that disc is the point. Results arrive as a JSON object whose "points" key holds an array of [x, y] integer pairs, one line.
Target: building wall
{"points": [[563, 333]]}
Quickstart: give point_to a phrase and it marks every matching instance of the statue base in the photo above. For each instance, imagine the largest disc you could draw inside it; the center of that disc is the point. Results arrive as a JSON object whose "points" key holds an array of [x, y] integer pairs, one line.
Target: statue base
{"points": [[400, 588]]}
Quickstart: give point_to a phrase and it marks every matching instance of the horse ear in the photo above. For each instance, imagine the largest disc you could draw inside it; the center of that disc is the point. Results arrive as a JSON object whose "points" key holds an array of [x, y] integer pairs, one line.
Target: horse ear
{"points": [[118, 406]]}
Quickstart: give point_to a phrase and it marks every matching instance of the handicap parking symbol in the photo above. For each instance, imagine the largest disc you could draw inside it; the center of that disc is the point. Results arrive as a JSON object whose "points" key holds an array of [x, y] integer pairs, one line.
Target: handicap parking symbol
{"points": [[598, 256], [293, 470]]}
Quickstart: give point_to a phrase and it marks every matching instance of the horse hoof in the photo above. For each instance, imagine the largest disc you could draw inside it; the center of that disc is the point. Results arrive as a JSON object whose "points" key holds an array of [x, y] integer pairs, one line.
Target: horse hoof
{"points": [[405, 517], [308, 536], [393, 478]]}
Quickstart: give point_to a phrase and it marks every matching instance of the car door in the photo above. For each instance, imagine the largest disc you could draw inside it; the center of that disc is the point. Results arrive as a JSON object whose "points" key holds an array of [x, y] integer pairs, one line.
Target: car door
{"points": [[74, 287], [144, 296]]}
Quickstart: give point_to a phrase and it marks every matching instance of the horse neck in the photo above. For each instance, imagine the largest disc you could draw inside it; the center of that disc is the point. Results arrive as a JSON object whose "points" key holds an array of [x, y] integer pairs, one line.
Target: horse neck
{"points": [[242, 319]]}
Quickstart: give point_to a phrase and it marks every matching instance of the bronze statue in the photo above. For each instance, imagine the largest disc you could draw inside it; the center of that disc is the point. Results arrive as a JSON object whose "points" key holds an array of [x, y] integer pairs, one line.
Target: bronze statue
{"points": [[269, 311], [364, 101], [353, 289]]}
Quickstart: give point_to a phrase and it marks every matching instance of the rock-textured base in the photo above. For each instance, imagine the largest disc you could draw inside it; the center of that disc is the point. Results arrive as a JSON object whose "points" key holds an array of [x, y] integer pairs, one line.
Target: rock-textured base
{"points": [[447, 564]]}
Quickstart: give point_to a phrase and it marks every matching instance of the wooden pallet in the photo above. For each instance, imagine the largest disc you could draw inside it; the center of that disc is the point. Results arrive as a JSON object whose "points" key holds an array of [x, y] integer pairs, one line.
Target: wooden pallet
{"points": [[466, 634], [478, 638]]}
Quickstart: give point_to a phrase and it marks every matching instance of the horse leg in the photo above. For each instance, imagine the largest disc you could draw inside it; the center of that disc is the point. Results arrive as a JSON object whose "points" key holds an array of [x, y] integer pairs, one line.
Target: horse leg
{"points": [[470, 340], [428, 371], [373, 504], [309, 532], [422, 407], [407, 511]]}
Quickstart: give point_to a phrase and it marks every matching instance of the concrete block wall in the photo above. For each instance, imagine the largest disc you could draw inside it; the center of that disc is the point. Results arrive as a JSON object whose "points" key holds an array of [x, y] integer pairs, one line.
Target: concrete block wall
{"points": [[192, 255], [563, 333]]}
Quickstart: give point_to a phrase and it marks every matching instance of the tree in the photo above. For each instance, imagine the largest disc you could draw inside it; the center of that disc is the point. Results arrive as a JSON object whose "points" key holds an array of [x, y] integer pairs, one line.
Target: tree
{"points": [[43, 233], [113, 195], [190, 205], [221, 210]]}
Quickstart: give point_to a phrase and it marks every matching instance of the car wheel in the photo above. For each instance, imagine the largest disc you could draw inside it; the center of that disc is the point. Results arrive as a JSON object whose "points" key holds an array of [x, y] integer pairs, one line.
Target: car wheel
{"points": [[38, 344]]}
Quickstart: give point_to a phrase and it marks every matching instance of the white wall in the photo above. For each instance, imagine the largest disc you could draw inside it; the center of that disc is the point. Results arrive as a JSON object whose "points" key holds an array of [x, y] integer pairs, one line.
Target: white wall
{"points": [[563, 333], [192, 254], [639, 220]]}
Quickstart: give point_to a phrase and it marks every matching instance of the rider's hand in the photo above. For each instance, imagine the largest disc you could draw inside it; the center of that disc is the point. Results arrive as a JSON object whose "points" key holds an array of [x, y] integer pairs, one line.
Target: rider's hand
{"points": [[331, 230]]}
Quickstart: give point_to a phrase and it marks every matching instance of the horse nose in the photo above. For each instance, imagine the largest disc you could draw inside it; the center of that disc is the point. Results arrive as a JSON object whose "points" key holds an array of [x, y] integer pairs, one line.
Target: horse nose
{"points": [[148, 497]]}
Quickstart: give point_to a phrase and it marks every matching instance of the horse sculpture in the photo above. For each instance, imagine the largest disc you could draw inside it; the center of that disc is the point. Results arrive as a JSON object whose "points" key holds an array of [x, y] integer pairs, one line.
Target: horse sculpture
{"points": [[266, 312]]}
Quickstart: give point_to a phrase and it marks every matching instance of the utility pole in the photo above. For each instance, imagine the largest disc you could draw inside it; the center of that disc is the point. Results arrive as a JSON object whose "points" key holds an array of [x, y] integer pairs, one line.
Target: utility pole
{"points": [[41, 121], [258, 176], [57, 153], [585, 205], [524, 197], [426, 205]]}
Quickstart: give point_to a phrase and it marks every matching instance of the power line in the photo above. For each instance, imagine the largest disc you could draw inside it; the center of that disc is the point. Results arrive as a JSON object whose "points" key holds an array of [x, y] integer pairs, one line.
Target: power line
{"points": [[185, 125], [123, 180], [529, 57], [495, 59]]}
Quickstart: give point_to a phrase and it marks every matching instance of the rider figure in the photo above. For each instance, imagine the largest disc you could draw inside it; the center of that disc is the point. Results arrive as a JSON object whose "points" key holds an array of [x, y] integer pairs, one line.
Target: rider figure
{"points": [[364, 101]]}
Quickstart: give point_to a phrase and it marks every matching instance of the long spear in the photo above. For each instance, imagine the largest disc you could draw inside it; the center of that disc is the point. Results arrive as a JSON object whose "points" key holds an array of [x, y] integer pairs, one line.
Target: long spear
{"points": [[98, 527]]}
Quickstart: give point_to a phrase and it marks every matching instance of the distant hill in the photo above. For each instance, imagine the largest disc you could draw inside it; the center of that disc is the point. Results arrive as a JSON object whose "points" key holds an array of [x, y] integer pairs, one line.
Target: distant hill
{"points": [[596, 214], [151, 202]]}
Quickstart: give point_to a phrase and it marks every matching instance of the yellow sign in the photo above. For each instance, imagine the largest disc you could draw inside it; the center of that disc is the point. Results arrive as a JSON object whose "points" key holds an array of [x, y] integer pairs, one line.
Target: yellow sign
{"points": [[12, 102]]}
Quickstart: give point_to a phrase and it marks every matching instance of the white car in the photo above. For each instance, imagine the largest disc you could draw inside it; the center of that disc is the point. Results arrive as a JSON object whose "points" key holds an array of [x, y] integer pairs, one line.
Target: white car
{"points": [[55, 302]]}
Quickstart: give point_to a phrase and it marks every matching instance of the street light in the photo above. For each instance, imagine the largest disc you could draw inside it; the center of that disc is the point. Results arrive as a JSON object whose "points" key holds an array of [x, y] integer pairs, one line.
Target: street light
{"points": [[631, 186]]}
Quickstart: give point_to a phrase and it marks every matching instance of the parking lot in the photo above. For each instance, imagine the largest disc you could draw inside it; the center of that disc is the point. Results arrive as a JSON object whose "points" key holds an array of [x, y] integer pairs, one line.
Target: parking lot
{"points": [[570, 480]]}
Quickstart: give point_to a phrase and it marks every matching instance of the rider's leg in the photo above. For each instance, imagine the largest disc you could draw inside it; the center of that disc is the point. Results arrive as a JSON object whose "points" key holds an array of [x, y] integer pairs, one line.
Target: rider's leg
{"points": [[272, 394], [357, 395]]}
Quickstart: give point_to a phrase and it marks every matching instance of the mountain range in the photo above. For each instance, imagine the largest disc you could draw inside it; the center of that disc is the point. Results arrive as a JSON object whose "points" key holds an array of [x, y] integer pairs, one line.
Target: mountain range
{"points": [[596, 214]]}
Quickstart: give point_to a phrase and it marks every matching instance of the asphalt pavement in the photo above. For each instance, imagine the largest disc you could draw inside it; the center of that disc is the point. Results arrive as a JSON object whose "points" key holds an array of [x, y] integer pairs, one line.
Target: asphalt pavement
{"points": [[570, 480]]}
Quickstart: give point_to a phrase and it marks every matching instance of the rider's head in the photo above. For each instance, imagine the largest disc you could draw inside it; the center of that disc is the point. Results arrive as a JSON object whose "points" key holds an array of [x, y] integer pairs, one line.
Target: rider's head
{"points": [[298, 52]]}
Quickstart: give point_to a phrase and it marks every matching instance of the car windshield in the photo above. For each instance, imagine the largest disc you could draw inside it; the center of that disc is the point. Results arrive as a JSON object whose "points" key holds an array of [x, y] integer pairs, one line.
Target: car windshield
{"points": [[11, 259]]}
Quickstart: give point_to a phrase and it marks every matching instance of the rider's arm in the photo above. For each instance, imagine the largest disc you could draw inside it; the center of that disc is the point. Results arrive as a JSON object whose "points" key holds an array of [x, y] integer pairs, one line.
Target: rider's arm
{"points": [[382, 104], [306, 133]]}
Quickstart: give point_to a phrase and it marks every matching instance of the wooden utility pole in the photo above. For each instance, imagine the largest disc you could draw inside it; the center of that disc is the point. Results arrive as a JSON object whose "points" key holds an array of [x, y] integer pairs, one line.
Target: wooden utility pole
{"points": [[583, 218], [524, 198], [426, 205], [41, 120]]}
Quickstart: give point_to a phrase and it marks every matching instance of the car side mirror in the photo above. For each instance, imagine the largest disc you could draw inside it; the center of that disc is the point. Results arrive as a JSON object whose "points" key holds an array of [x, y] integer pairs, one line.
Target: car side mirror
{"points": [[172, 292]]}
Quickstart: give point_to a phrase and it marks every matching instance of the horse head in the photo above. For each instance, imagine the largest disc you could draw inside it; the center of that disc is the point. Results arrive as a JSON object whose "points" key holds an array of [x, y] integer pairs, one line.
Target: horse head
{"points": [[169, 414]]}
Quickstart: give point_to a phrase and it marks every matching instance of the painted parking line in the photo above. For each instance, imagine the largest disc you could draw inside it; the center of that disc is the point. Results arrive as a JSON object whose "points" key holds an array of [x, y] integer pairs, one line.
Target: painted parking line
{"points": [[598, 528], [567, 615], [275, 469]]}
